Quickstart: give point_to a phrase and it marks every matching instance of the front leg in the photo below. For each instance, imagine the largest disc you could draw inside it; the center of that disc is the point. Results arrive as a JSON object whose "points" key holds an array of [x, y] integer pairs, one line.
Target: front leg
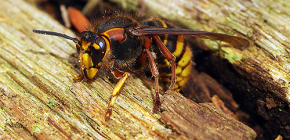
{"points": [[124, 76], [80, 78]]}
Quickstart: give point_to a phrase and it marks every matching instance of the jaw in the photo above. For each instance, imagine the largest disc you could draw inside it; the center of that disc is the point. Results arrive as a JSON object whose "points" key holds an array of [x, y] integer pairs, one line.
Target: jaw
{"points": [[87, 66]]}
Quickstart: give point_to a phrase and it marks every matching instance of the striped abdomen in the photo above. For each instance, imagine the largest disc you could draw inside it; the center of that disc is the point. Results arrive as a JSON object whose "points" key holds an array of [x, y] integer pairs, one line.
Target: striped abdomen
{"points": [[178, 46]]}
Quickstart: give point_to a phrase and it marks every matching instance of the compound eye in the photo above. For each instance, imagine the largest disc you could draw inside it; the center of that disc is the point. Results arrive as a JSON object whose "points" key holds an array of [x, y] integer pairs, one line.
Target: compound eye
{"points": [[102, 44], [98, 50]]}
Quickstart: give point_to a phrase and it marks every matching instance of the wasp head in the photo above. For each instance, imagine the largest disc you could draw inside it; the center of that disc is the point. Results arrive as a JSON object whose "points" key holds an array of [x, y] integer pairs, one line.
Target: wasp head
{"points": [[93, 44], [91, 48]]}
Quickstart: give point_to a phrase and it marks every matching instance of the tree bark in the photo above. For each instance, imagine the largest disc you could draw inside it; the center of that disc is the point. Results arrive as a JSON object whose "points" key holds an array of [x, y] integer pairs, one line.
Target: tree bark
{"points": [[40, 100], [259, 76]]}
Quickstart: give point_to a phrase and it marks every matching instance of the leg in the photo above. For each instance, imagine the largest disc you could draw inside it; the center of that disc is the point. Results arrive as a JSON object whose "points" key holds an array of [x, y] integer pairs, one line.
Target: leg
{"points": [[80, 78], [170, 57], [155, 73], [154, 70], [116, 91]]}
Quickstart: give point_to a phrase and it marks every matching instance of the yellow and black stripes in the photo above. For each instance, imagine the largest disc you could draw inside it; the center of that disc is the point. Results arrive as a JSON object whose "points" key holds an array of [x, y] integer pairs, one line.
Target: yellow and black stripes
{"points": [[183, 55], [178, 46]]}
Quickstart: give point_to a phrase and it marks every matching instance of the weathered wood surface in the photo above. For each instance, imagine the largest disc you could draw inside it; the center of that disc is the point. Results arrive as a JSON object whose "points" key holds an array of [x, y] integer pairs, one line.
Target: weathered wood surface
{"points": [[39, 99], [259, 77]]}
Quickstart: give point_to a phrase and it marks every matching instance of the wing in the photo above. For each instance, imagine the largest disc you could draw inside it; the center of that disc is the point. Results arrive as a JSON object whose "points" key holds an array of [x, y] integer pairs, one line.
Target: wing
{"points": [[237, 42]]}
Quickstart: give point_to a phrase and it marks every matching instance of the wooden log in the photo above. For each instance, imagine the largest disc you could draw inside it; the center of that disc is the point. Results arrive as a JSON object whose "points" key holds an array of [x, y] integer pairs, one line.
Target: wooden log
{"points": [[40, 100], [258, 77]]}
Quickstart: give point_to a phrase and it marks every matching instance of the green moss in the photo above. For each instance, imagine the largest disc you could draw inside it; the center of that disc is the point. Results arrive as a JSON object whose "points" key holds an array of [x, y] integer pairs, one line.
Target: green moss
{"points": [[51, 103], [231, 55]]}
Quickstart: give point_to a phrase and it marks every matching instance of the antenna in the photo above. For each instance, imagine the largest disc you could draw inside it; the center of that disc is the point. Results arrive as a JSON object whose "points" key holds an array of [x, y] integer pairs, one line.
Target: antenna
{"points": [[75, 40]]}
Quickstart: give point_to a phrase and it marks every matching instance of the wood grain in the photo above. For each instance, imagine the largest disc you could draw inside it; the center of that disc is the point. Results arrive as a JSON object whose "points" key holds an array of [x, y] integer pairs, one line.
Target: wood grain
{"points": [[40, 100], [259, 76]]}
